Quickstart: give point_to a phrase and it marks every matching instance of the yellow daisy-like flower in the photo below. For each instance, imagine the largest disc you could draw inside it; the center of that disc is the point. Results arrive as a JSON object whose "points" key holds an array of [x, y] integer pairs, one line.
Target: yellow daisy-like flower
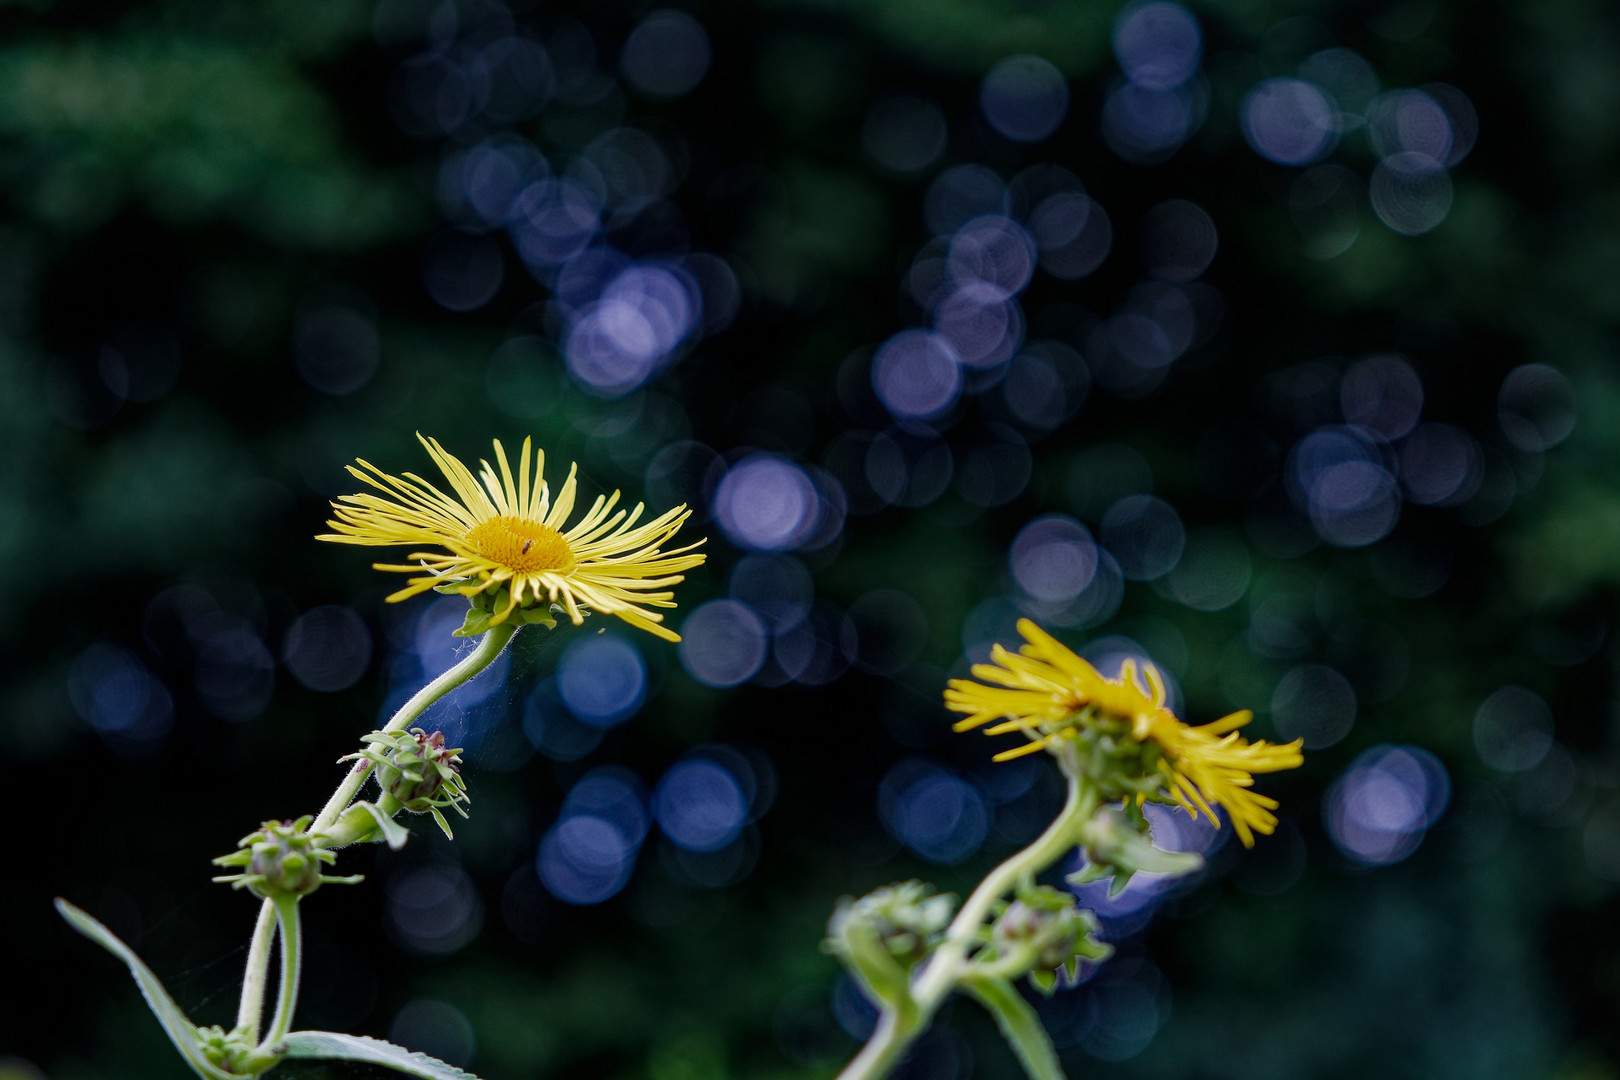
{"points": [[509, 532], [1046, 691]]}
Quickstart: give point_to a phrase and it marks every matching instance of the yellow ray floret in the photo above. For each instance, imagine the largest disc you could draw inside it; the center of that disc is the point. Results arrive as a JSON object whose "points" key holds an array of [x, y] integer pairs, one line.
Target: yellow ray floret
{"points": [[1043, 689], [496, 530]]}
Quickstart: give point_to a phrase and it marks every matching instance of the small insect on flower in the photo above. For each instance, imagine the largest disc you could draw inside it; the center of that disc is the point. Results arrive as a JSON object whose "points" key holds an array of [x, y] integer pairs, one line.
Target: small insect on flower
{"points": [[1134, 745], [504, 537]]}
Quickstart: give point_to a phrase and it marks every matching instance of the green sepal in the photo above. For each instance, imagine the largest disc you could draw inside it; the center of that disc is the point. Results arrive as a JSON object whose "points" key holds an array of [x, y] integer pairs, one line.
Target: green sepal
{"points": [[1043, 981], [332, 1046], [539, 616], [455, 587], [394, 834], [478, 621], [181, 1031]]}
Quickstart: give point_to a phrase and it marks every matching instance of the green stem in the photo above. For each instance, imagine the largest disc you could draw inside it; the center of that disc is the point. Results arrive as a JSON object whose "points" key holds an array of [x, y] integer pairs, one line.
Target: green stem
{"points": [[286, 908], [258, 968], [490, 644], [894, 1033]]}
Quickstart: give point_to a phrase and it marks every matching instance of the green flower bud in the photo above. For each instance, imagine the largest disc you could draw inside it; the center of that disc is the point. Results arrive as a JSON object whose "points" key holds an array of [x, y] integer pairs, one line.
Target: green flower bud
{"points": [[281, 859], [1045, 934], [233, 1051], [418, 771], [886, 933]]}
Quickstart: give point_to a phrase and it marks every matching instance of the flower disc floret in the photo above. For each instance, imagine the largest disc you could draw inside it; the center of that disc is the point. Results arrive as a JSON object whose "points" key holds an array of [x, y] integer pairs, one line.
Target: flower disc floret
{"points": [[503, 539], [1128, 739]]}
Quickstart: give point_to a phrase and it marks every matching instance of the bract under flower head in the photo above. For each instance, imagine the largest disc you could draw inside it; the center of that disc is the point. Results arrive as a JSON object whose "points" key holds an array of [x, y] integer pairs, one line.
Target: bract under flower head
{"points": [[504, 533], [1054, 696]]}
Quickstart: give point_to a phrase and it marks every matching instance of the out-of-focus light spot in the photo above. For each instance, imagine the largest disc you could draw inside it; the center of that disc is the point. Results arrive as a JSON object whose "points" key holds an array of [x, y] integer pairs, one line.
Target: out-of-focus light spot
{"points": [[1410, 192], [818, 649], [767, 503], [1178, 240], [1326, 205], [1378, 811], [1045, 385], [1409, 120], [327, 648], [1513, 729], [124, 702], [1158, 45], [1025, 98], [235, 673], [1347, 76], [960, 194], [602, 680], [909, 467], [982, 327], [993, 251], [1289, 121], [1313, 702], [553, 221], [552, 729], [995, 471], [434, 910], [1130, 1011], [1145, 536], [1214, 571], [585, 859], [614, 795], [1463, 118], [435, 1028], [700, 806], [1536, 407], [641, 317], [631, 167], [778, 587], [1073, 233], [723, 643], [1441, 465], [666, 55], [904, 135], [1339, 477], [490, 177], [917, 375], [430, 96], [931, 810], [462, 271], [1382, 394], [336, 349], [1053, 559], [1145, 126]]}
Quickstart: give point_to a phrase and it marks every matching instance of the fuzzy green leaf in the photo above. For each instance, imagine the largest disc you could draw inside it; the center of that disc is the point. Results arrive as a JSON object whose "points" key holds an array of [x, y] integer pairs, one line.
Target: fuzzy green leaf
{"points": [[1019, 1024], [332, 1045], [180, 1030]]}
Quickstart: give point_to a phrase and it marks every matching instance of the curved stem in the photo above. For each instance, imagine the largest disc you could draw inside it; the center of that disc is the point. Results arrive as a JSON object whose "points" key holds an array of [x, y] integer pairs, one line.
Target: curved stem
{"points": [[490, 644], [286, 909], [258, 965], [895, 1033]]}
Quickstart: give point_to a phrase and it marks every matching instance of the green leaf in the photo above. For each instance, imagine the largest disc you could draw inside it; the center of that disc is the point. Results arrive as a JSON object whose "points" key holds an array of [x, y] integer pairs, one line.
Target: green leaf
{"points": [[1020, 1025], [393, 832], [332, 1045], [476, 623], [180, 1030]]}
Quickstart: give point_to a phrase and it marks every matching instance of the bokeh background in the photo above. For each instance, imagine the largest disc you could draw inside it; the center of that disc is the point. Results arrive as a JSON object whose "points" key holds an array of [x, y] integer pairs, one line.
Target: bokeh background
{"points": [[1272, 341]]}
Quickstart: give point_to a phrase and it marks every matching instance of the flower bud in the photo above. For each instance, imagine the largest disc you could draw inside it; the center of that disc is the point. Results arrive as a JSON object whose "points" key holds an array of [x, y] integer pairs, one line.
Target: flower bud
{"points": [[418, 771], [279, 860], [886, 933]]}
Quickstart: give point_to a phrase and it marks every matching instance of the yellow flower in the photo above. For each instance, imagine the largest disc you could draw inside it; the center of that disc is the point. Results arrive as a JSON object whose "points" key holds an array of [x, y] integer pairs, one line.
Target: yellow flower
{"points": [[1049, 693], [510, 533]]}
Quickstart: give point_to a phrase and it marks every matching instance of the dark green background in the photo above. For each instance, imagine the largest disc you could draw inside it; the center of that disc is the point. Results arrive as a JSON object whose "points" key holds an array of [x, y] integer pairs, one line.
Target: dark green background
{"points": [[207, 169]]}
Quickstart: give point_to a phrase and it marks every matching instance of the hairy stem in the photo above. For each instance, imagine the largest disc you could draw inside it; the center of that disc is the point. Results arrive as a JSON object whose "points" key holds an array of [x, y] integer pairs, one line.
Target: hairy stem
{"points": [[258, 969], [897, 1029], [490, 644], [286, 909]]}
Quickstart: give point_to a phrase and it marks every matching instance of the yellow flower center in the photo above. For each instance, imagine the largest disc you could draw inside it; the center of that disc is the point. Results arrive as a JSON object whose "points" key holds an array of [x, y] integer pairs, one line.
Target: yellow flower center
{"points": [[520, 545]]}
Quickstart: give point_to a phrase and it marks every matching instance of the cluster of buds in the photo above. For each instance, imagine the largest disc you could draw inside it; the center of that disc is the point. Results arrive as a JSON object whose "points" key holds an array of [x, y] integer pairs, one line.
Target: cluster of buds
{"points": [[886, 933], [280, 860], [1042, 934], [233, 1052], [418, 772]]}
